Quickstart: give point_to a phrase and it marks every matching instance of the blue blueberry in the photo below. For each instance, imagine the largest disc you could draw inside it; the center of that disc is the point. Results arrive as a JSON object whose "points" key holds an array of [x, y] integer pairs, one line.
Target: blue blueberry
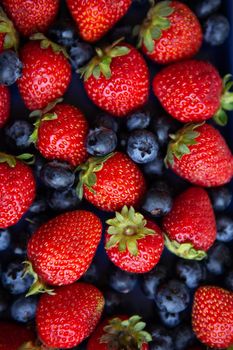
{"points": [[13, 278], [219, 259], [170, 319], [121, 281], [216, 30], [57, 175], [38, 165], [162, 340], [138, 120], [106, 121], [63, 32], [221, 198], [101, 141], [142, 146], [191, 272], [80, 53], [5, 239], [224, 228], [156, 167], [63, 200], [151, 280], [157, 202], [10, 67], [92, 275], [184, 337], [39, 205], [18, 134], [24, 309], [229, 280], [112, 302], [204, 8], [162, 126], [172, 297]]}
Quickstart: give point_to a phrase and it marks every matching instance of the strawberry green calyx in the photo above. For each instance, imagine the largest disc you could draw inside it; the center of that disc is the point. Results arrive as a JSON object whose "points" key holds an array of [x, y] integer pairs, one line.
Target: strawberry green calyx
{"points": [[126, 334], [184, 250], [31, 346], [11, 39], [11, 160], [101, 63], [156, 22], [126, 229], [221, 117], [230, 348], [45, 43]]}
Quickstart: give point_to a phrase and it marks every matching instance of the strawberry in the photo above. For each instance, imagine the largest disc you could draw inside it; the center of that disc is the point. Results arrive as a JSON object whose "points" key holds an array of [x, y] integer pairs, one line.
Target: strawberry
{"points": [[17, 188], [12, 336], [65, 319], [171, 32], [117, 79], [111, 182], [199, 154], [120, 332], [8, 35], [4, 104], [193, 91], [46, 72], [60, 133], [133, 243], [212, 316], [95, 18], [31, 16], [190, 227]]}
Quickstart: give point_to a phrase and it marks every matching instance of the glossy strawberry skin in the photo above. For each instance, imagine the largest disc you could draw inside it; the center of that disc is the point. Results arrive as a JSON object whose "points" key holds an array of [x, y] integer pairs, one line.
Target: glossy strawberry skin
{"points": [[95, 18], [62, 249], [126, 90], [210, 162], [191, 219], [65, 319], [189, 91], [150, 249], [31, 16], [119, 183], [64, 137], [17, 192], [212, 316], [45, 77], [12, 336], [4, 104]]}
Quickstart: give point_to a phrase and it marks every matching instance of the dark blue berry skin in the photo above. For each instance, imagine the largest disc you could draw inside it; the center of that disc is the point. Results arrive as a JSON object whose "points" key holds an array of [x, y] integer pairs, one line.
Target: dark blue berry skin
{"points": [[162, 340], [4, 301], [123, 31], [63, 200], [18, 134], [80, 53], [138, 120], [13, 278], [39, 205], [170, 319], [151, 280], [205, 8], [157, 202], [63, 32], [229, 280], [92, 275], [19, 243], [162, 126], [106, 121], [35, 222], [172, 297], [101, 141], [142, 146], [154, 168], [184, 337], [219, 259], [224, 228], [24, 309], [38, 165], [5, 239], [191, 272], [216, 30], [121, 281], [112, 302], [221, 198], [57, 175], [10, 68]]}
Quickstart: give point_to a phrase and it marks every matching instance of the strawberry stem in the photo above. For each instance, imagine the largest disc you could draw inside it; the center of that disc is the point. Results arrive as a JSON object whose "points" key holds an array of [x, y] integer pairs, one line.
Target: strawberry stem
{"points": [[184, 250], [27, 158], [45, 43], [221, 117]]}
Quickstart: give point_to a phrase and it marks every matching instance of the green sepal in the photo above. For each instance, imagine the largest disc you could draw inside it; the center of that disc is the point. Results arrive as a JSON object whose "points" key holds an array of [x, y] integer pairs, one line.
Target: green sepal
{"points": [[37, 346], [11, 39], [46, 43], [7, 158], [220, 116], [184, 250], [230, 347], [27, 158]]}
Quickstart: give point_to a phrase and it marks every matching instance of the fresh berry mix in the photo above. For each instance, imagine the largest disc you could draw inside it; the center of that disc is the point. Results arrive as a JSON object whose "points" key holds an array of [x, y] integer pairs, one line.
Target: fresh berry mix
{"points": [[116, 226]]}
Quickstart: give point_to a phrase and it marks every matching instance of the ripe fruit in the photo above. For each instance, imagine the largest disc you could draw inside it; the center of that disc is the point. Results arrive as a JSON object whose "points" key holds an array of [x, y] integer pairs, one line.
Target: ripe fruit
{"points": [[117, 79], [46, 72], [190, 226], [199, 154], [193, 91], [133, 243], [171, 32], [62, 249], [60, 133], [4, 104], [8, 34], [111, 182], [17, 189], [95, 18], [120, 332], [212, 316], [12, 336], [65, 319], [31, 16]]}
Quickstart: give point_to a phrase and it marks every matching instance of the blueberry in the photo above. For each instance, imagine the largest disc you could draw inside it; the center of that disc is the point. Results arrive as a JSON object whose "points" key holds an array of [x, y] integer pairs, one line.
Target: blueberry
{"points": [[5, 239], [157, 202], [142, 146], [24, 309], [39, 205], [38, 165], [220, 197], [216, 30], [229, 280], [172, 297], [191, 272], [92, 274], [80, 53], [63, 32], [151, 280], [106, 121], [219, 259], [10, 67], [19, 243], [121, 281], [138, 120], [112, 302], [63, 200], [224, 228], [57, 175], [18, 134], [101, 141], [184, 337], [4, 301], [170, 319], [162, 126], [123, 31], [156, 167], [162, 340], [204, 8], [13, 278]]}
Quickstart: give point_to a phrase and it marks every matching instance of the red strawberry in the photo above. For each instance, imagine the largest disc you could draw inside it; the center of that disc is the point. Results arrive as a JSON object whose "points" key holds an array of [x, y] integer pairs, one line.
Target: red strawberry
{"points": [[12, 336], [65, 319], [193, 91], [62, 249], [46, 73], [118, 333], [60, 133], [199, 154], [95, 18], [117, 79], [17, 189], [133, 243], [212, 316], [4, 104], [170, 32], [190, 226], [111, 182], [8, 34], [31, 16]]}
